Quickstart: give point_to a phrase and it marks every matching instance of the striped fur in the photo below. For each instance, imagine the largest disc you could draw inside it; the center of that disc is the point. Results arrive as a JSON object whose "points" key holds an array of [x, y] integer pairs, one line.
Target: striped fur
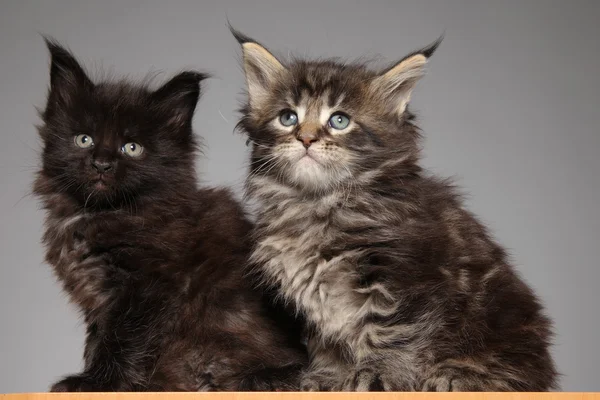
{"points": [[401, 287]]}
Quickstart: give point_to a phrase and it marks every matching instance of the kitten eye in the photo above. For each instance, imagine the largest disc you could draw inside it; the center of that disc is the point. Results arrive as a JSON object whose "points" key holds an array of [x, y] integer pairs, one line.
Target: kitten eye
{"points": [[83, 141], [288, 118], [132, 149], [339, 121]]}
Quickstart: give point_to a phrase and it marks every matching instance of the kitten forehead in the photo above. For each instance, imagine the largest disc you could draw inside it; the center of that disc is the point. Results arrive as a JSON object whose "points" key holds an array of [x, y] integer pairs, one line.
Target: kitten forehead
{"points": [[316, 103], [301, 112]]}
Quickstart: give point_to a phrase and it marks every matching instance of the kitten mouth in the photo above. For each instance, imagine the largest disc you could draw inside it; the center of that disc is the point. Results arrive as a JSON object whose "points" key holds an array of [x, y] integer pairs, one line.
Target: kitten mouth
{"points": [[100, 183], [308, 157]]}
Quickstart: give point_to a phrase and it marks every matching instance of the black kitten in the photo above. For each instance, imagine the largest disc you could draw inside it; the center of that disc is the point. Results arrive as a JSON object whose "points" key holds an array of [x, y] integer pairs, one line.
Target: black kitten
{"points": [[155, 264]]}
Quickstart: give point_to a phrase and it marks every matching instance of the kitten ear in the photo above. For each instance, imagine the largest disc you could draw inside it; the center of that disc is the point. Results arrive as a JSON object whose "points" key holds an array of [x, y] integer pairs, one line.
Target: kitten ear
{"points": [[67, 77], [396, 84], [178, 97], [261, 67]]}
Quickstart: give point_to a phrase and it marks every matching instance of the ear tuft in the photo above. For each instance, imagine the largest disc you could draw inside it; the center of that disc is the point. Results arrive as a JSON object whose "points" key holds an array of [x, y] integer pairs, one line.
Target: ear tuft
{"points": [[428, 51], [239, 36], [396, 83]]}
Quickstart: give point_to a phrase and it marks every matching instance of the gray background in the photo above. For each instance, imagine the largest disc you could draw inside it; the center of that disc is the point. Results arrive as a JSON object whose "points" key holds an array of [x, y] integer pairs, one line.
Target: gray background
{"points": [[510, 107]]}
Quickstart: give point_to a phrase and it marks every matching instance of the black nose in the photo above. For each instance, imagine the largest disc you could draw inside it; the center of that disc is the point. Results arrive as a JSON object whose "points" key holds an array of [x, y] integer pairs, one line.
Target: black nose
{"points": [[102, 166]]}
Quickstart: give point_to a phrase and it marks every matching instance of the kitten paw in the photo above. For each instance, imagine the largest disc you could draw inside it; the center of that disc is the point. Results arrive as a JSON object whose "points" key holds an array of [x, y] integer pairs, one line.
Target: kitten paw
{"points": [[277, 379], [75, 383], [364, 380], [319, 381], [462, 380], [442, 383], [309, 384]]}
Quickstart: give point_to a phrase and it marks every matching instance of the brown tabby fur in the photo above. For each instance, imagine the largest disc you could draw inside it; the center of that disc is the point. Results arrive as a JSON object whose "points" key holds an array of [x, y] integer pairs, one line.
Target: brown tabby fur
{"points": [[401, 287]]}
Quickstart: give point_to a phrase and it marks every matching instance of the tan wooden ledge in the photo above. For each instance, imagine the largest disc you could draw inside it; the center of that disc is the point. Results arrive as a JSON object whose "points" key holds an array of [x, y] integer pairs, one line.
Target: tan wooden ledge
{"points": [[300, 396]]}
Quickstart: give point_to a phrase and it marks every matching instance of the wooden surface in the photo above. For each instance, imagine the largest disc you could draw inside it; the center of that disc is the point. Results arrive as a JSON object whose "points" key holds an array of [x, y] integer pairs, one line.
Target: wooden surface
{"points": [[301, 396]]}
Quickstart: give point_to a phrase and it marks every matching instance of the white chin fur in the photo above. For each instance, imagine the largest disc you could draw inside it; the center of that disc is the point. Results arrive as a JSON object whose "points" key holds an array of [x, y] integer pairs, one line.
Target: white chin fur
{"points": [[314, 172], [307, 172]]}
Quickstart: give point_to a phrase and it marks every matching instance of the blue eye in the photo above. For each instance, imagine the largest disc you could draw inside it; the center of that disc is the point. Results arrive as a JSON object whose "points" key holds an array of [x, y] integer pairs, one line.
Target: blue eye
{"points": [[288, 118], [339, 121]]}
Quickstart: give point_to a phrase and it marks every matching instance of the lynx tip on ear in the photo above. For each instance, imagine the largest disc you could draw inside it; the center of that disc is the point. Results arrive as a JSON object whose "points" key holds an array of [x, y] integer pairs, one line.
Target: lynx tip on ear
{"points": [[430, 49], [239, 36]]}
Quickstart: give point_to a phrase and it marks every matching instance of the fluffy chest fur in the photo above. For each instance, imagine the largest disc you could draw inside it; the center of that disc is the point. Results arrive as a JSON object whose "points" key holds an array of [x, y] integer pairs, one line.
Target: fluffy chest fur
{"points": [[316, 284], [302, 248], [83, 274]]}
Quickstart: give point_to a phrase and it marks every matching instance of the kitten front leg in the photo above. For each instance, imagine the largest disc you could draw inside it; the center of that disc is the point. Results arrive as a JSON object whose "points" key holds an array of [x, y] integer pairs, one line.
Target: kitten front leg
{"points": [[94, 284], [90, 278], [98, 287]]}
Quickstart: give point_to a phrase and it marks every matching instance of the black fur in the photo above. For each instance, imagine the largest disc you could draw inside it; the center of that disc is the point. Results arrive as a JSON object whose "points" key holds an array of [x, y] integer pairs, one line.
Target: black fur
{"points": [[156, 265]]}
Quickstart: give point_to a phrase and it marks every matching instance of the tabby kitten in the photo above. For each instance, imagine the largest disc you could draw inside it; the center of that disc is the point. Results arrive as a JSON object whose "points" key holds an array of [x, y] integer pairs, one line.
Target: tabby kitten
{"points": [[401, 287], [155, 264]]}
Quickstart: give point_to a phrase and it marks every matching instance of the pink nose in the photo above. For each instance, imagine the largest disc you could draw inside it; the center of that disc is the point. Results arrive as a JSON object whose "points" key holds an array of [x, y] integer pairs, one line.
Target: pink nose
{"points": [[307, 139]]}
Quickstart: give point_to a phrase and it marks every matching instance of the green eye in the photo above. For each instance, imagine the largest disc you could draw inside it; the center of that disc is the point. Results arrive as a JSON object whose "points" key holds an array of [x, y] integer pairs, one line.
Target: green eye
{"points": [[132, 149], [288, 118], [339, 121], [83, 141]]}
